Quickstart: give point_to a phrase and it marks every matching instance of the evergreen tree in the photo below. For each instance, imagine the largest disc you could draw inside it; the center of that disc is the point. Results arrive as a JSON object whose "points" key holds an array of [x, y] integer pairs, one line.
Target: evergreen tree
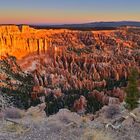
{"points": [[132, 95]]}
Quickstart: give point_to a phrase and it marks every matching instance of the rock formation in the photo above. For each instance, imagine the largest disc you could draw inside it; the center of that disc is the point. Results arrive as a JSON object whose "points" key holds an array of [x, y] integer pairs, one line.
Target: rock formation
{"points": [[61, 60]]}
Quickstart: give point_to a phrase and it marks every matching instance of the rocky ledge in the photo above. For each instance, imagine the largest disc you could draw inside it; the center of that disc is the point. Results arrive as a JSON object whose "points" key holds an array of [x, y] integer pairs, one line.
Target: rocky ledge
{"points": [[110, 123]]}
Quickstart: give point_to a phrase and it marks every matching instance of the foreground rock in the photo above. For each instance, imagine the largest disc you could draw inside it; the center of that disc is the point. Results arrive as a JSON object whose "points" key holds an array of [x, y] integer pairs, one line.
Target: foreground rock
{"points": [[63, 125], [111, 123], [118, 123]]}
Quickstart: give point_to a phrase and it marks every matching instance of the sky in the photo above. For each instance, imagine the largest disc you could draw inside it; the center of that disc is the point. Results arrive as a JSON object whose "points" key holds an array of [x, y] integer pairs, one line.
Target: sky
{"points": [[67, 11]]}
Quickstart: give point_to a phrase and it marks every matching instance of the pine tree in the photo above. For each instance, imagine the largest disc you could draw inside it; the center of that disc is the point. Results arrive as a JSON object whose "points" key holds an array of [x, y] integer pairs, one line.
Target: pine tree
{"points": [[132, 91]]}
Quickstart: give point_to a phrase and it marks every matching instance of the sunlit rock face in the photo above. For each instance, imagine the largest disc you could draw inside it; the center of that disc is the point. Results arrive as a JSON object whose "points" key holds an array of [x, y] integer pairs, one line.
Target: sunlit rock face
{"points": [[23, 40], [62, 60]]}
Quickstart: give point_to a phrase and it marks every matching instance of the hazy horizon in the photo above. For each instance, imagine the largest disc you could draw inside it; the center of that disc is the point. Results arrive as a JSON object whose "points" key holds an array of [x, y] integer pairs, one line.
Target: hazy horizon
{"points": [[64, 12]]}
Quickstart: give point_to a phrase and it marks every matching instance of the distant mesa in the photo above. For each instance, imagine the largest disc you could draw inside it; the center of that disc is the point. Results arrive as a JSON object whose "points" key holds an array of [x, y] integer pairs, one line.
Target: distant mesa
{"points": [[92, 25]]}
